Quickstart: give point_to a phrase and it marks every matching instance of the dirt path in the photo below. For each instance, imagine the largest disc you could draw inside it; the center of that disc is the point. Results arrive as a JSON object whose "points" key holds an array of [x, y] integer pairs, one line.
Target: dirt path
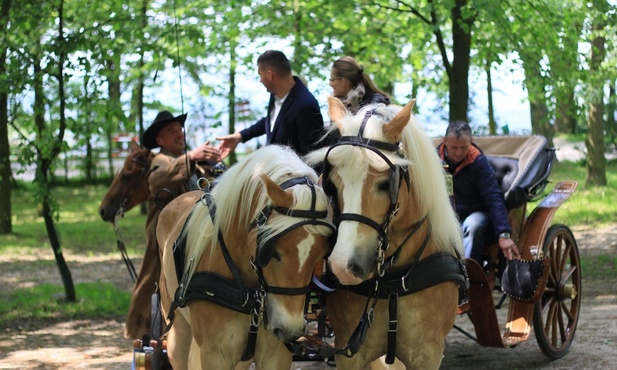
{"points": [[99, 344]]}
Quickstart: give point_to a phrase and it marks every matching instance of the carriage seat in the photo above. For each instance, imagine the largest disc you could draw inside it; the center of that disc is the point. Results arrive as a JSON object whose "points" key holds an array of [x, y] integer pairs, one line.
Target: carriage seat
{"points": [[506, 170], [522, 166]]}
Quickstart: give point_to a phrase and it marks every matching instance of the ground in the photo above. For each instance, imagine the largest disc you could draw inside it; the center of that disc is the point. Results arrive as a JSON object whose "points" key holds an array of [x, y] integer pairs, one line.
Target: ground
{"points": [[99, 344]]}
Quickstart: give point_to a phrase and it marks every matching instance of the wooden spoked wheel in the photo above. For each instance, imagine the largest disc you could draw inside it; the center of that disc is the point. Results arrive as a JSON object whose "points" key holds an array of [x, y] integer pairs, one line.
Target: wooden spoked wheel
{"points": [[556, 313]]}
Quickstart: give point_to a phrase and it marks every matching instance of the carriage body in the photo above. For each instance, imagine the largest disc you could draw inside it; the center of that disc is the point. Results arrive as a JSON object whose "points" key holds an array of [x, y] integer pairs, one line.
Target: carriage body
{"points": [[522, 166]]}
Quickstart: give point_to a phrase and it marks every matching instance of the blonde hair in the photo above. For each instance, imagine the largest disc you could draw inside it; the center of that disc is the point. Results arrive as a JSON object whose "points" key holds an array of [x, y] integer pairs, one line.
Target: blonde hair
{"points": [[349, 68]]}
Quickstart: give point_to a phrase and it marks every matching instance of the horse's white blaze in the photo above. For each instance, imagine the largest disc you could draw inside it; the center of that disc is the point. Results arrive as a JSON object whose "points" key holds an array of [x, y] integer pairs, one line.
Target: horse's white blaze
{"points": [[348, 233], [304, 250]]}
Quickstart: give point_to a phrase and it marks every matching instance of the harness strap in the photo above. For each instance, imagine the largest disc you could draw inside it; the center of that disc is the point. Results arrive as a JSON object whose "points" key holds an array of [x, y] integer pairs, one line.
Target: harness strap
{"points": [[433, 270], [368, 143], [392, 328], [394, 256], [249, 351]]}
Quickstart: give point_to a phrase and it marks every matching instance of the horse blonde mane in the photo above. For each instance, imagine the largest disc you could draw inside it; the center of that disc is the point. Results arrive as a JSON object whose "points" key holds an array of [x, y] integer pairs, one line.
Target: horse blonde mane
{"points": [[425, 168], [240, 195]]}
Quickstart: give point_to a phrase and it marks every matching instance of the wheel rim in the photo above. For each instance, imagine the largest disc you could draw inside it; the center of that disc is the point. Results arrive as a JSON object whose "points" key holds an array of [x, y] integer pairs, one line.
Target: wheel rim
{"points": [[557, 312]]}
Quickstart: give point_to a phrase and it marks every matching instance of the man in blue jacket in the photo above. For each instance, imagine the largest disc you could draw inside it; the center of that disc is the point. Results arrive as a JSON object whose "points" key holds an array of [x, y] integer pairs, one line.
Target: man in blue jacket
{"points": [[293, 116], [479, 203]]}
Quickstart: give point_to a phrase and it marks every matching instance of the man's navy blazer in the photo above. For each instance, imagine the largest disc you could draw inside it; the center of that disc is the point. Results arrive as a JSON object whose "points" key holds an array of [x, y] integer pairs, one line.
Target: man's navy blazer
{"points": [[299, 124]]}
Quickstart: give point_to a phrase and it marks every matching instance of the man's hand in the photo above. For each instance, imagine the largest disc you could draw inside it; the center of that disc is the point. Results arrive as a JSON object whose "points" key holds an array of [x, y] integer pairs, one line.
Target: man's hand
{"points": [[205, 152], [508, 247], [228, 143]]}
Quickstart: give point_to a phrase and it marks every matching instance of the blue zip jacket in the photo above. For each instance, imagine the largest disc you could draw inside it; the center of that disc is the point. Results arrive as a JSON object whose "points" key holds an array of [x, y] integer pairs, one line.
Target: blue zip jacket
{"points": [[476, 189]]}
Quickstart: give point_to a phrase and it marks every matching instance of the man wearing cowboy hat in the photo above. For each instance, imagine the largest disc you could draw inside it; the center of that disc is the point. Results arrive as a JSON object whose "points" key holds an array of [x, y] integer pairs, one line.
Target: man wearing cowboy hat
{"points": [[172, 173]]}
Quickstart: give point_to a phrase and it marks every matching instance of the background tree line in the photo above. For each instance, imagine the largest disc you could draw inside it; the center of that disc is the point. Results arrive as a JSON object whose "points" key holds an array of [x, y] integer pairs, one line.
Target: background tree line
{"points": [[80, 67]]}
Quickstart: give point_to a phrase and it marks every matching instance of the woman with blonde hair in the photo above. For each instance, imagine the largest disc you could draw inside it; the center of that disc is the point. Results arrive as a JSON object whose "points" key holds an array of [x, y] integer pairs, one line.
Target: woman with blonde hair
{"points": [[353, 86]]}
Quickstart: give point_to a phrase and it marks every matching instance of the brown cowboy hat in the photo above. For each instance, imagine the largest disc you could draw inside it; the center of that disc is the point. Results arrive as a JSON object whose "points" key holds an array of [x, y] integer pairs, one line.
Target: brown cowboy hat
{"points": [[162, 119]]}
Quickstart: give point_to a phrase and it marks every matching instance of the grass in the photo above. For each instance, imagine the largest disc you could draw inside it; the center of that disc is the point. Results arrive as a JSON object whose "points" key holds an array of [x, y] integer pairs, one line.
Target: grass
{"points": [[46, 302], [589, 206], [82, 232], [601, 267], [79, 226]]}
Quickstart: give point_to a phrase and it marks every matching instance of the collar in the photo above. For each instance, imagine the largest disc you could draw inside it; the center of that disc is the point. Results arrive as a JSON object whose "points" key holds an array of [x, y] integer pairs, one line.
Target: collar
{"points": [[472, 155], [168, 153]]}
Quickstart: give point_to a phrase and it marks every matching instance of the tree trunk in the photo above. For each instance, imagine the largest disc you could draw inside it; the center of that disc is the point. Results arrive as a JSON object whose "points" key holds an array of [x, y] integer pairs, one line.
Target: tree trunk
{"points": [[114, 115], [65, 272], [564, 69], [232, 96], [141, 82], [596, 162], [47, 156], [536, 88], [461, 47], [565, 119], [611, 124], [6, 226], [90, 168], [492, 124]]}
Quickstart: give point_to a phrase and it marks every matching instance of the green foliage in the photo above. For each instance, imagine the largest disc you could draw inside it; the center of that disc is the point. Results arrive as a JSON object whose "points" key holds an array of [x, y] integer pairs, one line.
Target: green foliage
{"points": [[46, 301], [588, 206]]}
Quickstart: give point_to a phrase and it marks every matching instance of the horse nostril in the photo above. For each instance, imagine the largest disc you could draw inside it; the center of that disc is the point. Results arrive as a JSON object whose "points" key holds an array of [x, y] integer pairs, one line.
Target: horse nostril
{"points": [[357, 270], [102, 212], [278, 333]]}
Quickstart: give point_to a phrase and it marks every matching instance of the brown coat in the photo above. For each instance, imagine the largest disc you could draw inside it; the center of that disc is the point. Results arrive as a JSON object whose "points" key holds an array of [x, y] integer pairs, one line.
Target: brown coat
{"points": [[169, 177]]}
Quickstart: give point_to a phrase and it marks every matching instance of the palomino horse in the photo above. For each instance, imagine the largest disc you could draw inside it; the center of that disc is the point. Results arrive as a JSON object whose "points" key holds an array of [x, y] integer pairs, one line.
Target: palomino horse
{"points": [[251, 245], [130, 186], [397, 235]]}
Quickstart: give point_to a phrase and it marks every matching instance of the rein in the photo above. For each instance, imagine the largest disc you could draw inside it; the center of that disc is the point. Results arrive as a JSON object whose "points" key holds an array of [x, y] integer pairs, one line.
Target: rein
{"points": [[120, 213], [120, 243]]}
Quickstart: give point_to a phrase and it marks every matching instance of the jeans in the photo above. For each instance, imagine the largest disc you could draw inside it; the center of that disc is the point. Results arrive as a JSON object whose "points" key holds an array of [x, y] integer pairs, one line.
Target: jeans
{"points": [[477, 234]]}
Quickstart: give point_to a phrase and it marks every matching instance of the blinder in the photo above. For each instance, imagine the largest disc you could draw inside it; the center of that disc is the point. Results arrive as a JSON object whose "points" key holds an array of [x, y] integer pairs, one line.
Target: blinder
{"points": [[397, 172], [265, 247]]}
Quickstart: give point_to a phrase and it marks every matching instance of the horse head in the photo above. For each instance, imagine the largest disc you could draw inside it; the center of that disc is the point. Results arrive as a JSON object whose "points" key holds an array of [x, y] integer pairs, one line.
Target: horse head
{"points": [[385, 179], [130, 185], [288, 258]]}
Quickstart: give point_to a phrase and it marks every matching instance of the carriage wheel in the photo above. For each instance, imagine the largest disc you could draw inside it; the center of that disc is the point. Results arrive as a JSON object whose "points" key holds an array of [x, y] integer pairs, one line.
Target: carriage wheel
{"points": [[556, 313]]}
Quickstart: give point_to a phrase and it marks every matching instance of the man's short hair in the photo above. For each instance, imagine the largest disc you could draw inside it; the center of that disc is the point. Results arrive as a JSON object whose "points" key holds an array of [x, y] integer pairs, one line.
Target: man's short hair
{"points": [[458, 129], [276, 61]]}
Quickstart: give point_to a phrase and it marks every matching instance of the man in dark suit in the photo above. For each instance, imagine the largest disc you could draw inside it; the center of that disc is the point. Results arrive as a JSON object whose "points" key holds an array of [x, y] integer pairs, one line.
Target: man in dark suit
{"points": [[293, 116]]}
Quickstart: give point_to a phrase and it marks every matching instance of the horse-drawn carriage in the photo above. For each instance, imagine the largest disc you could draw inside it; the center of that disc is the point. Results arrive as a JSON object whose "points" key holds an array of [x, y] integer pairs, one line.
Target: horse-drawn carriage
{"points": [[522, 165], [397, 253]]}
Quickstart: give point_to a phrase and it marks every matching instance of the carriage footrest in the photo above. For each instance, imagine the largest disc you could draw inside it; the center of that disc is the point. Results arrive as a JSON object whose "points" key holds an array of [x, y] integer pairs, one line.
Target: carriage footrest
{"points": [[481, 307]]}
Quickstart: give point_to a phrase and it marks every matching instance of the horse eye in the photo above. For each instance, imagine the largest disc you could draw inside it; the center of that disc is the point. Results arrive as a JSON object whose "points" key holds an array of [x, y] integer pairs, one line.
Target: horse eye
{"points": [[125, 178], [276, 255], [383, 185]]}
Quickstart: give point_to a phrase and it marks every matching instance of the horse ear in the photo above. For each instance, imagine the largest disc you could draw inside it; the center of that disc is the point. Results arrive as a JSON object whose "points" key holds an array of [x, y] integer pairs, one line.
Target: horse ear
{"points": [[392, 131], [336, 110], [133, 146], [277, 195]]}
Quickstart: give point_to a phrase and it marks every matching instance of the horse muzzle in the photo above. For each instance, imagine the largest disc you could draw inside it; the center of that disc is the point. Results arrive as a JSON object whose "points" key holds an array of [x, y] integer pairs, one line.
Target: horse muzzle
{"points": [[354, 270]]}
